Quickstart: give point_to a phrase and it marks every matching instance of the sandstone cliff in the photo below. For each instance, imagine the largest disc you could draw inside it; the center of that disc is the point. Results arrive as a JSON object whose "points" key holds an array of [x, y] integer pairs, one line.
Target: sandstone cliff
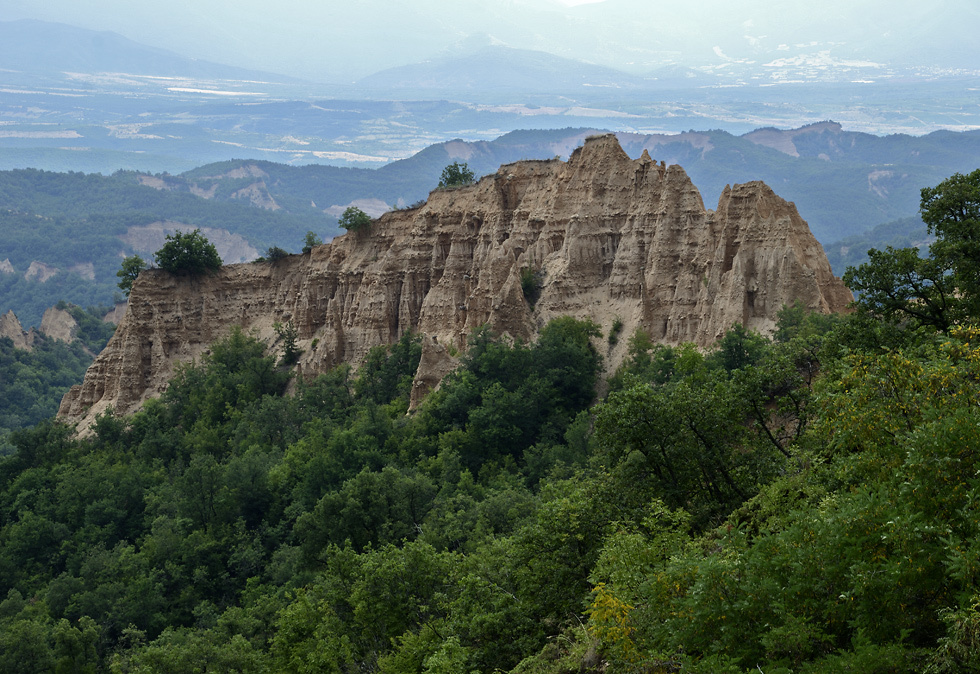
{"points": [[610, 237]]}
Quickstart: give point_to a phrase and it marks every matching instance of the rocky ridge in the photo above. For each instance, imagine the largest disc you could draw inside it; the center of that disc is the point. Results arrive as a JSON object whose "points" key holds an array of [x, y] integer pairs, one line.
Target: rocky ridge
{"points": [[610, 238], [11, 328], [56, 323]]}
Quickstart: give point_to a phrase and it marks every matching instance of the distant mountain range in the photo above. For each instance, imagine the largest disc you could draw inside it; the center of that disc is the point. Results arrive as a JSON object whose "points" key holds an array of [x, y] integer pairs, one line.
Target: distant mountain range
{"points": [[45, 48], [81, 100], [495, 68], [136, 118], [750, 41]]}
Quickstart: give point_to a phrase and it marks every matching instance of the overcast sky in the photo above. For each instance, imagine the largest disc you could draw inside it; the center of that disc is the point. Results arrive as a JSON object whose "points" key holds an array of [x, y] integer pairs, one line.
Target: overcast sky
{"points": [[328, 40]]}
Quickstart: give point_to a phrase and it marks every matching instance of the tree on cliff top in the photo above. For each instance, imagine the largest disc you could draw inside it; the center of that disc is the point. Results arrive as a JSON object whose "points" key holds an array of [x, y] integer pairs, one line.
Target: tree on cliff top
{"points": [[354, 219], [456, 174], [189, 253], [131, 268]]}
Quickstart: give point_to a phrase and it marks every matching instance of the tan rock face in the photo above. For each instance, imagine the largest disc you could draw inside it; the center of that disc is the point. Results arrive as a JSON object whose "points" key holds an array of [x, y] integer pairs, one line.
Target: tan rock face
{"points": [[84, 269], [40, 271], [611, 237], [115, 316], [59, 324], [10, 327]]}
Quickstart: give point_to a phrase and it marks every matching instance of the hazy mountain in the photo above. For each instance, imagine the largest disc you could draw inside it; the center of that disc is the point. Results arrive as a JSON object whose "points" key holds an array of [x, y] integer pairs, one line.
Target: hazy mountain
{"points": [[752, 40], [495, 68], [842, 182], [41, 47], [679, 77]]}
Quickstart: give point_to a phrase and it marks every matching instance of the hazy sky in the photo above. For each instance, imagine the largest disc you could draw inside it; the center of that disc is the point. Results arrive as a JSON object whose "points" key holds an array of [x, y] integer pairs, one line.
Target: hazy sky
{"points": [[343, 41]]}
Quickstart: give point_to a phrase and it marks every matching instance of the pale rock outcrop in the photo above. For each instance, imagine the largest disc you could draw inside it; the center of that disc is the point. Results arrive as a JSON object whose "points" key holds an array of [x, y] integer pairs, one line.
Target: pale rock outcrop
{"points": [[6, 267], [40, 271], [146, 239], [10, 327], [84, 269], [59, 324], [115, 315], [611, 238], [257, 194]]}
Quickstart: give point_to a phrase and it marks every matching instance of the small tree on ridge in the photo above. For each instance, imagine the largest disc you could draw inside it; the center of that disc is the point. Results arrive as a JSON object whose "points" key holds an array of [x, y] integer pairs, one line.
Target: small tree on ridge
{"points": [[129, 271], [354, 219], [456, 174], [189, 253]]}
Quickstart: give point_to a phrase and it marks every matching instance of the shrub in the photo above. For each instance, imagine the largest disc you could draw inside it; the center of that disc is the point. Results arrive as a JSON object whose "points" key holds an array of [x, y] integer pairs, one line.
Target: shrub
{"points": [[310, 240], [189, 253], [354, 219], [289, 335], [617, 327], [275, 253], [531, 285]]}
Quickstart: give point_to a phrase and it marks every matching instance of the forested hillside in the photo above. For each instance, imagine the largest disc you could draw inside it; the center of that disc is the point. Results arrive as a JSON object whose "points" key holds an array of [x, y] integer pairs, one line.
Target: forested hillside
{"points": [[800, 503], [771, 503], [853, 250], [74, 224], [32, 383]]}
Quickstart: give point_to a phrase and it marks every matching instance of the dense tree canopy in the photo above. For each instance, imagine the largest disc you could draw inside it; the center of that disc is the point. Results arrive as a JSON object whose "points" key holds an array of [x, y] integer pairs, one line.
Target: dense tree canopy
{"points": [[503, 525]]}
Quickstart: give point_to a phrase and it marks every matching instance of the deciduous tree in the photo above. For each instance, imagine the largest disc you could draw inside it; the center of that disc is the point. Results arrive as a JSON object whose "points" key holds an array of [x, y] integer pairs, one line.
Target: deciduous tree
{"points": [[942, 289], [188, 253], [129, 271], [354, 219]]}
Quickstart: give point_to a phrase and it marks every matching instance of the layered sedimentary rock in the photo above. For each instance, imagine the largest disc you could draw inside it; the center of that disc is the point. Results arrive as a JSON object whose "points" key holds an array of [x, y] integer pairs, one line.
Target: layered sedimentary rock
{"points": [[609, 238]]}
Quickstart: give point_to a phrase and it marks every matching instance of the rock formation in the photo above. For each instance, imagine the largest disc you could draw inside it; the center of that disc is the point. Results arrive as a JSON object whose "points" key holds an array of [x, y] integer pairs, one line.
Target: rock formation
{"points": [[59, 324], [608, 236], [40, 271], [11, 328], [56, 323]]}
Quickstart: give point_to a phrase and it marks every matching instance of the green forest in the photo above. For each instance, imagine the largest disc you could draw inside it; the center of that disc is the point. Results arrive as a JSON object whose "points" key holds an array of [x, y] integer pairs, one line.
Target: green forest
{"points": [[32, 383], [801, 502]]}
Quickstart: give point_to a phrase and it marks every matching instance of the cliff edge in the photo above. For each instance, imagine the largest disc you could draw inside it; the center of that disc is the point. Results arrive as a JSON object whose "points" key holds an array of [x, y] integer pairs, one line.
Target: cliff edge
{"points": [[608, 237]]}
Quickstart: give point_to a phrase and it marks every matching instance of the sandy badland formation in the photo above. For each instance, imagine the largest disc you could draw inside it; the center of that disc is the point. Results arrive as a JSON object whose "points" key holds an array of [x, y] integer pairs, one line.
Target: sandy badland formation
{"points": [[609, 237]]}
